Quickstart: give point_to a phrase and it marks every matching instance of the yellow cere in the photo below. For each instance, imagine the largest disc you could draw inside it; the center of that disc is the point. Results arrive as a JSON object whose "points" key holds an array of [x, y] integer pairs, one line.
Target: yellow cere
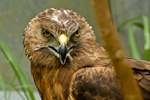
{"points": [[62, 38]]}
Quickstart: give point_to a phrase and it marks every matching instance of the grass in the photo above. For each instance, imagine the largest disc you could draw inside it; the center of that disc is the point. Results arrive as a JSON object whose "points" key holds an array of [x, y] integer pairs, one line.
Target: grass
{"points": [[24, 84], [3, 87], [145, 27]]}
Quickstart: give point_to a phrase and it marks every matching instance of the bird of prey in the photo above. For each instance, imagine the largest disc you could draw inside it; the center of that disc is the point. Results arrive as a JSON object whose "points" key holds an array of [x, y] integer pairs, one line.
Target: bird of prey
{"points": [[67, 62]]}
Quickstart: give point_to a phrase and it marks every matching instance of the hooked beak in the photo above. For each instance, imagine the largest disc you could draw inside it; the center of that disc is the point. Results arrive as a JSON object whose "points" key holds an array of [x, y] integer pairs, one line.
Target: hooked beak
{"points": [[62, 48], [62, 51]]}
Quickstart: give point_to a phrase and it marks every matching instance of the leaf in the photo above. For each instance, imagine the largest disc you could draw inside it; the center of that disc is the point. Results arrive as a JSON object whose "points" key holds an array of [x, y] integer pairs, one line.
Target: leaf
{"points": [[3, 87], [145, 27], [133, 46], [147, 38], [17, 69], [128, 21]]}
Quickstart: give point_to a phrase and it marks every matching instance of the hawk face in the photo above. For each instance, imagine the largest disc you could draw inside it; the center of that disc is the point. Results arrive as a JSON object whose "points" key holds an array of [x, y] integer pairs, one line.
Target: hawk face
{"points": [[57, 36]]}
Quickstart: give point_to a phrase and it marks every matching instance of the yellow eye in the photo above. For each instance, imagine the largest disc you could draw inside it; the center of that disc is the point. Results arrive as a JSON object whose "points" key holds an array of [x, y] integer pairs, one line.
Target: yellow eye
{"points": [[77, 33], [46, 33]]}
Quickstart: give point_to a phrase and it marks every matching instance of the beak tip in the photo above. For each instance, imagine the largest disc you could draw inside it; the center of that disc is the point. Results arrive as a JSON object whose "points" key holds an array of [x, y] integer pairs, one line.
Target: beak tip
{"points": [[62, 61]]}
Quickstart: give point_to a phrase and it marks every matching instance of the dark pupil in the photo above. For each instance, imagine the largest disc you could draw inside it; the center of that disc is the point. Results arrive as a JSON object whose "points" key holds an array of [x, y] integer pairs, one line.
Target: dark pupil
{"points": [[76, 32], [46, 32]]}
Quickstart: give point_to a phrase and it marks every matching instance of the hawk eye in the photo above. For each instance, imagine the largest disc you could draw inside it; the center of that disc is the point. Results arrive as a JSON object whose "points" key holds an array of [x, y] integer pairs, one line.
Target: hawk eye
{"points": [[46, 33], [77, 33]]}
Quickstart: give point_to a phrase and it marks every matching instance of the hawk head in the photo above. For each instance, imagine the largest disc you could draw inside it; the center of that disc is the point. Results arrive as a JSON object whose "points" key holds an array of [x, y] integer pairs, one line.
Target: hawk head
{"points": [[57, 36]]}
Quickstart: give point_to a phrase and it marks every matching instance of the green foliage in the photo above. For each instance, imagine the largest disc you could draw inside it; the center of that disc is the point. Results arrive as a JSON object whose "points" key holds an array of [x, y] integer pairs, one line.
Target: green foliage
{"points": [[3, 86], [146, 29], [24, 84]]}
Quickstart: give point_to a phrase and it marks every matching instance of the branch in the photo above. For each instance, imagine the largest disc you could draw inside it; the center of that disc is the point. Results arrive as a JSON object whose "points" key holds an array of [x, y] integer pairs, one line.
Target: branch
{"points": [[115, 50]]}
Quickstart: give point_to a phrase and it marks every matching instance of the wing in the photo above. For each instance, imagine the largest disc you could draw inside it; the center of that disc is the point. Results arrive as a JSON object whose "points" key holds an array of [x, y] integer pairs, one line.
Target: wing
{"points": [[95, 83], [141, 70], [99, 82]]}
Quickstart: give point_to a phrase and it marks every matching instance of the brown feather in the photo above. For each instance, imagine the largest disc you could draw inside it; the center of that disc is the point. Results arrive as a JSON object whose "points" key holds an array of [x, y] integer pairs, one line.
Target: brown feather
{"points": [[88, 72]]}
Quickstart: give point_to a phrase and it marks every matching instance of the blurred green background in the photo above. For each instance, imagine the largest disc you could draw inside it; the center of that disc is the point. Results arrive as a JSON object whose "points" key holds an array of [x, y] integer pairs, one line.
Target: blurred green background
{"points": [[15, 15]]}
